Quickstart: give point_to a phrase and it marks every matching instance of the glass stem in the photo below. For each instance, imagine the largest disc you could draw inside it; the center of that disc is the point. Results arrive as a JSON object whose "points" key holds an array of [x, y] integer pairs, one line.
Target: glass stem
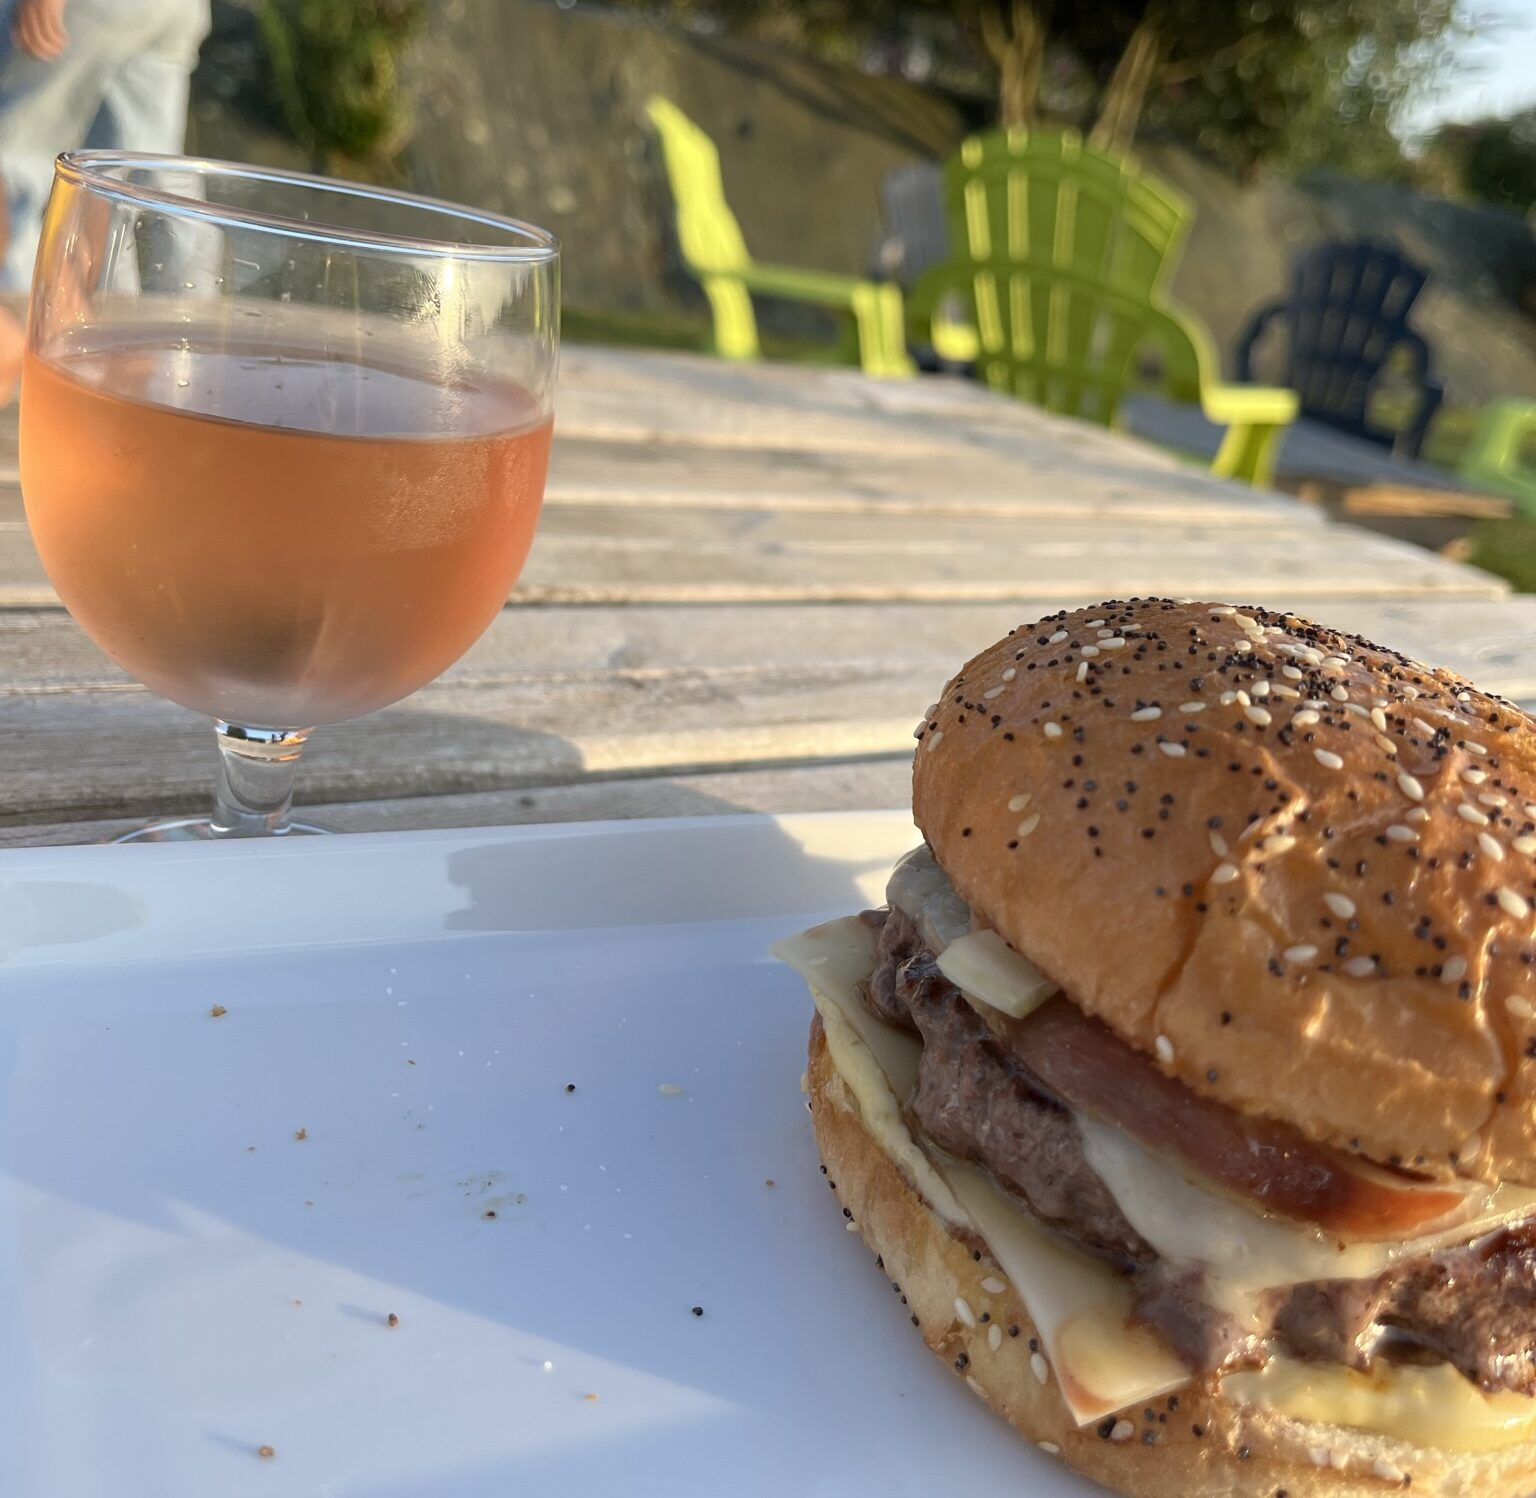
{"points": [[256, 770]]}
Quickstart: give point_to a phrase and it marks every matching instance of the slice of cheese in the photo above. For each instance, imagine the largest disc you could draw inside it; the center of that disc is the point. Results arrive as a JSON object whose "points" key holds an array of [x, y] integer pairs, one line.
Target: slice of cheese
{"points": [[1245, 1252], [983, 966], [1432, 1406], [1079, 1306]]}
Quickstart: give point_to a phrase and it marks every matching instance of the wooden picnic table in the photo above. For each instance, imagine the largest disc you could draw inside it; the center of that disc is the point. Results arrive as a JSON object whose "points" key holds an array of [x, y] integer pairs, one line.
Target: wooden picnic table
{"points": [[749, 581]]}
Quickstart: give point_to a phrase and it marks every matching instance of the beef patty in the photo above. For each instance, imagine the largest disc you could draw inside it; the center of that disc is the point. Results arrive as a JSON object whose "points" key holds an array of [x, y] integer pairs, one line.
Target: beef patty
{"points": [[1472, 1306]]}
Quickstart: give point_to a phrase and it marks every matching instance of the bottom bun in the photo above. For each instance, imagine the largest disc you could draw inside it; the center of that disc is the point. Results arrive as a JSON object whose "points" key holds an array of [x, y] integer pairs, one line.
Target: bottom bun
{"points": [[1193, 1444]]}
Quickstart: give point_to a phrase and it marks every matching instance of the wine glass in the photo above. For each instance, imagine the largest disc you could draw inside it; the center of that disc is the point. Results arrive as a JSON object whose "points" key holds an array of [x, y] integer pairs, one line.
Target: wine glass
{"points": [[283, 442]]}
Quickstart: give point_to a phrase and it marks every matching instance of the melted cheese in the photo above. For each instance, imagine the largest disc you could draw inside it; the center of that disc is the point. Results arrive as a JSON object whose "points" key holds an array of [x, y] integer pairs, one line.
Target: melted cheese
{"points": [[983, 966], [1245, 1252], [1080, 1308], [1433, 1406]]}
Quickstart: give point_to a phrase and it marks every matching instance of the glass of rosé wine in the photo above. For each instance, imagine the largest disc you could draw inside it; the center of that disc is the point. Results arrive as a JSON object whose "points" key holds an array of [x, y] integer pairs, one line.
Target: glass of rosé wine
{"points": [[283, 442]]}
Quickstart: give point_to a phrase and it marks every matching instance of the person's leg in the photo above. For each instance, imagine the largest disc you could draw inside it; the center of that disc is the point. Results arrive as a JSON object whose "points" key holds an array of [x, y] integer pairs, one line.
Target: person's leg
{"points": [[144, 100], [45, 108]]}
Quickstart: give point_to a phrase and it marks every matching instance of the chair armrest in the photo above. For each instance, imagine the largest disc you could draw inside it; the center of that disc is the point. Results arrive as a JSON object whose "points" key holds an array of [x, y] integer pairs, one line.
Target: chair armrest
{"points": [[824, 288], [1251, 335], [1270, 405]]}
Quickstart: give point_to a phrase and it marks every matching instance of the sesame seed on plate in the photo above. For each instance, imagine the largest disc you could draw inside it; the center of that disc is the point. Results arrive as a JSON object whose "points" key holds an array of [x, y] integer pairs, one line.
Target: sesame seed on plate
{"points": [[1227, 698], [1224, 873], [1094, 624], [1219, 845], [1360, 967], [1279, 689], [1164, 1048], [1191, 707], [1400, 834], [993, 1286], [992, 692], [1090, 650], [1492, 798], [1341, 905], [1469, 813], [1243, 698], [1524, 844], [1171, 749], [1511, 903], [1053, 730], [1057, 638], [1277, 842], [974, 1386], [1328, 759], [1042, 1369], [1010, 673], [1424, 727], [1028, 825], [1388, 1471], [1529, 809], [1223, 612], [1146, 714], [1261, 689], [1122, 1430], [1304, 952], [1472, 745], [1019, 802], [964, 1312], [1520, 1007], [1292, 673], [1260, 715], [1453, 969], [1386, 745], [1378, 720], [1340, 693], [1417, 814], [1411, 786], [1114, 643], [994, 1336], [1490, 845], [1306, 718], [933, 740], [1082, 671], [1473, 776], [1050, 1448]]}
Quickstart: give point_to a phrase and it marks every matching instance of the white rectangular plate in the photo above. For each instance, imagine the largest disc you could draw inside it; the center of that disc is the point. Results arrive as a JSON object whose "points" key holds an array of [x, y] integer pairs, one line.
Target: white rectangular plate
{"points": [[205, 1223]]}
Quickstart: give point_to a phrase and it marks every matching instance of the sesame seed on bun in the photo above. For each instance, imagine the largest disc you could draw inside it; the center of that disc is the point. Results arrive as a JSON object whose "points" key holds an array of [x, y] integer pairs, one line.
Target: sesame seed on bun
{"points": [[1296, 868]]}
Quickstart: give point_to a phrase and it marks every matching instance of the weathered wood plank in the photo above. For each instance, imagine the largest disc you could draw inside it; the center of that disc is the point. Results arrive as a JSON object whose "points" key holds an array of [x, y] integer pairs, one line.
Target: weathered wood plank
{"points": [[869, 783], [666, 554], [558, 696], [969, 480]]}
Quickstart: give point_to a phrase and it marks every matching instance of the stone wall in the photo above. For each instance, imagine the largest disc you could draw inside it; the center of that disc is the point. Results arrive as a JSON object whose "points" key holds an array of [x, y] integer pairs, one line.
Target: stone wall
{"points": [[538, 112]]}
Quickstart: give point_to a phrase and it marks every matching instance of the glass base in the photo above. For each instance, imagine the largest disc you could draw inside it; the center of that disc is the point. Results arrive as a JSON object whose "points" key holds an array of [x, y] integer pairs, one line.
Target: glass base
{"points": [[200, 830]]}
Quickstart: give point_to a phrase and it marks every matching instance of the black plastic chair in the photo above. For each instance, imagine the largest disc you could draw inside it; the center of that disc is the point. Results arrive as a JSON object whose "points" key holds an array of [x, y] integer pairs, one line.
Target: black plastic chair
{"points": [[1346, 315]]}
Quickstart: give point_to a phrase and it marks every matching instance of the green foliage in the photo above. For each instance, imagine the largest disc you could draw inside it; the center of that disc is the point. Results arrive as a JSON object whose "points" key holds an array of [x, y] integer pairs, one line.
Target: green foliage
{"points": [[1291, 83], [1491, 160], [335, 72]]}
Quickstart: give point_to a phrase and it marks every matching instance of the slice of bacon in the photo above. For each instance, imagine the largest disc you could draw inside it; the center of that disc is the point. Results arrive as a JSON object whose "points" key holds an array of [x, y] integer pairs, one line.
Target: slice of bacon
{"points": [[1272, 1164]]}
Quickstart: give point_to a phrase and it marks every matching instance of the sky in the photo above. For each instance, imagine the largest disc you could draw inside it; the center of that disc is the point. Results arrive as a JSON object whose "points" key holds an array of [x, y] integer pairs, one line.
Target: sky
{"points": [[1499, 72]]}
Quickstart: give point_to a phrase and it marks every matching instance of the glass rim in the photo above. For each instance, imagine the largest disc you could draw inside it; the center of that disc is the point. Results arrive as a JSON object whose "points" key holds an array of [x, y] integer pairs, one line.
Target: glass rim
{"points": [[89, 169]]}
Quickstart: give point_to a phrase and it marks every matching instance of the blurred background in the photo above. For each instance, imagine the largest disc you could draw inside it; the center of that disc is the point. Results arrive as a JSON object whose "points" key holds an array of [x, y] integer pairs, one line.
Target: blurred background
{"points": [[1287, 123]]}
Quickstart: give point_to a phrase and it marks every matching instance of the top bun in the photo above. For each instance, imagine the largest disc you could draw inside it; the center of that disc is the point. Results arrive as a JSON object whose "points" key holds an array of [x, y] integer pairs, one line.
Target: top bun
{"points": [[1297, 869]]}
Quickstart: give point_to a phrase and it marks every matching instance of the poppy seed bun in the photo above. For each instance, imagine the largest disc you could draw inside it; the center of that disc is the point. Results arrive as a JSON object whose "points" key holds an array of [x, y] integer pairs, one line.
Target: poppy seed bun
{"points": [[1311, 901], [1196, 1444]]}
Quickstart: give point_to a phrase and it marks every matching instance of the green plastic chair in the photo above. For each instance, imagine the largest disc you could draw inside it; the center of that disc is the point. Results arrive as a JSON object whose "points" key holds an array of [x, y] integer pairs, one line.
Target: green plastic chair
{"points": [[1495, 456], [1062, 255], [716, 253]]}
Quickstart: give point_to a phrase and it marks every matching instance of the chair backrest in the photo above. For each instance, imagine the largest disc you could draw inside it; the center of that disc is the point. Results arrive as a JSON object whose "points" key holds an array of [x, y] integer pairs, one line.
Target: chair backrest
{"points": [[1348, 309], [912, 210], [707, 231], [1067, 252]]}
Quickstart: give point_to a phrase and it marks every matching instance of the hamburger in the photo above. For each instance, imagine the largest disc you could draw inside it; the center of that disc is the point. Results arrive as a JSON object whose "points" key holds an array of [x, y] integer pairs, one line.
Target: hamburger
{"points": [[1186, 1084]]}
